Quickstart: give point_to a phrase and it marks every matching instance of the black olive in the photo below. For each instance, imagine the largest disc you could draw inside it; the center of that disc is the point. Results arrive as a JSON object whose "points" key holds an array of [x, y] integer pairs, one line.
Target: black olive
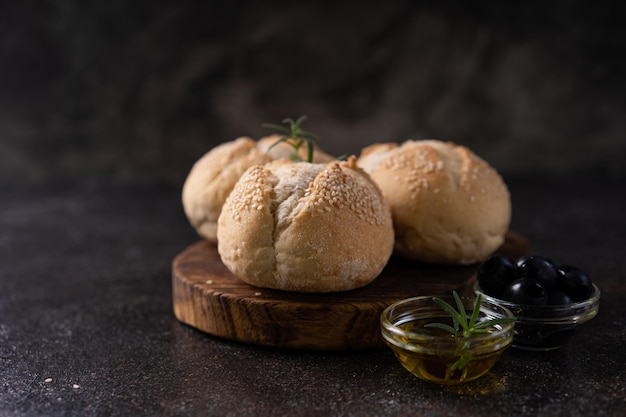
{"points": [[526, 291], [564, 269], [556, 297], [575, 283], [539, 268], [496, 273]]}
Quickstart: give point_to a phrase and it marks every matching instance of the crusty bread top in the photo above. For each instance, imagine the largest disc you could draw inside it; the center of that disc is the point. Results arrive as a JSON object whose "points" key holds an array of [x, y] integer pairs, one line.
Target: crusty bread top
{"points": [[448, 204], [305, 227], [210, 180], [214, 175]]}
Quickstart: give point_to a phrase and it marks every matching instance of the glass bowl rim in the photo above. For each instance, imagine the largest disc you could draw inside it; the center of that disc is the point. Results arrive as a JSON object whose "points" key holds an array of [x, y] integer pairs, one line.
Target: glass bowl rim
{"points": [[574, 309], [391, 327]]}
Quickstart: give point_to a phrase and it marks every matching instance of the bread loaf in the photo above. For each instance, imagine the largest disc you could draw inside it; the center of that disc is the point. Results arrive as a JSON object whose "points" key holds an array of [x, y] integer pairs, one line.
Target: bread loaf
{"points": [[305, 227], [214, 175], [448, 205]]}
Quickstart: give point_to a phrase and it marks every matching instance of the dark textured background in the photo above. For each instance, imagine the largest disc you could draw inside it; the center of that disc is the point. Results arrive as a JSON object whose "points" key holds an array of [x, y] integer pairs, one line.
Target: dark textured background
{"points": [[124, 90], [104, 106]]}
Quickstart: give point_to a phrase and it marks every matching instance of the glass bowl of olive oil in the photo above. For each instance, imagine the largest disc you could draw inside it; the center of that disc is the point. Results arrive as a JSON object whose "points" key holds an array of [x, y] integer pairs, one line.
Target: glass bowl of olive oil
{"points": [[415, 330]]}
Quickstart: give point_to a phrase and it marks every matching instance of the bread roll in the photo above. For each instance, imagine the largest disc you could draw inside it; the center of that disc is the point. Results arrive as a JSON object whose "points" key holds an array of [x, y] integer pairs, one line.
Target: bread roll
{"points": [[214, 175], [305, 227], [448, 205]]}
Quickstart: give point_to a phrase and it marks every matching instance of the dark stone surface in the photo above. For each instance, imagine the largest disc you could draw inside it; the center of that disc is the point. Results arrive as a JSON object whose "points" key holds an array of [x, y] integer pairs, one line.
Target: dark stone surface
{"points": [[130, 94], [85, 300], [121, 89]]}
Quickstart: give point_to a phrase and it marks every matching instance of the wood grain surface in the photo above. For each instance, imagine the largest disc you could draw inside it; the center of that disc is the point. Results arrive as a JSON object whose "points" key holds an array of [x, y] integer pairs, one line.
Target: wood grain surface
{"points": [[209, 298]]}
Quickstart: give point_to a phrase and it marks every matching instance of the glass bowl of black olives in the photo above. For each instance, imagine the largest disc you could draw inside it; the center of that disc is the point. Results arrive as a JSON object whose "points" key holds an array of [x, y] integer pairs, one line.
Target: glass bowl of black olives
{"points": [[550, 301]]}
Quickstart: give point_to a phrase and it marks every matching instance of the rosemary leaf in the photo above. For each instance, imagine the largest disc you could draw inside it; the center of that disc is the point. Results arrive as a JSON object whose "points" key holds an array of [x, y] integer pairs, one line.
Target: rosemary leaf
{"points": [[476, 311], [461, 313], [442, 326], [296, 137], [458, 318]]}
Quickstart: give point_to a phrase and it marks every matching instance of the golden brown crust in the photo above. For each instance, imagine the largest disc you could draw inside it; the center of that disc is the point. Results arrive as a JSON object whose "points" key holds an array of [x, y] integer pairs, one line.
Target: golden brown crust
{"points": [[306, 227], [448, 205], [215, 174]]}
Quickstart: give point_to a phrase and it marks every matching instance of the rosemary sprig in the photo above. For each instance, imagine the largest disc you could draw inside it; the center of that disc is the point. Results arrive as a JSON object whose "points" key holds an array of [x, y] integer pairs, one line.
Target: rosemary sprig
{"points": [[463, 328], [295, 136]]}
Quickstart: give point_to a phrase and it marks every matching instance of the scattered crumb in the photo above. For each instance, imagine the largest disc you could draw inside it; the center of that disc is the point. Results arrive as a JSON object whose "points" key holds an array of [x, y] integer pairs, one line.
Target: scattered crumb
{"points": [[75, 386], [209, 281], [47, 380], [257, 293]]}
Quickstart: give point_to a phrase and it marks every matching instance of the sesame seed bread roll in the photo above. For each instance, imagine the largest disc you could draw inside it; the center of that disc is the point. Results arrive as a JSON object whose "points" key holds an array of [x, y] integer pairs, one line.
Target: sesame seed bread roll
{"points": [[215, 174], [448, 205], [305, 227]]}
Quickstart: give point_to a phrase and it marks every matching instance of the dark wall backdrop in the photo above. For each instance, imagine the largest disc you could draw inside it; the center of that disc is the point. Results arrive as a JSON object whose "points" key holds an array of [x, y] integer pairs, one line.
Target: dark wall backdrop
{"points": [[121, 90]]}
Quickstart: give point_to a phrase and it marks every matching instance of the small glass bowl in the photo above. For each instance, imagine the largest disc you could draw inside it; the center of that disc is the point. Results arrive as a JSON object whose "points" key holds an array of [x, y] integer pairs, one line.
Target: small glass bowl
{"points": [[431, 354], [548, 327]]}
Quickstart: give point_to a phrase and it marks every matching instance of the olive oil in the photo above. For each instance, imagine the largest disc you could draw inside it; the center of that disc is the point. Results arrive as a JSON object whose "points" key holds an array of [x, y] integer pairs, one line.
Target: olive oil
{"points": [[447, 344], [434, 359]]}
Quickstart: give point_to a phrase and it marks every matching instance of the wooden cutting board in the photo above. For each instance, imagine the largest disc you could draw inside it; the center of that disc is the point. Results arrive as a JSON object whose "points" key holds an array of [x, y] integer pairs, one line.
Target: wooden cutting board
{"points": [[208, 297]]}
